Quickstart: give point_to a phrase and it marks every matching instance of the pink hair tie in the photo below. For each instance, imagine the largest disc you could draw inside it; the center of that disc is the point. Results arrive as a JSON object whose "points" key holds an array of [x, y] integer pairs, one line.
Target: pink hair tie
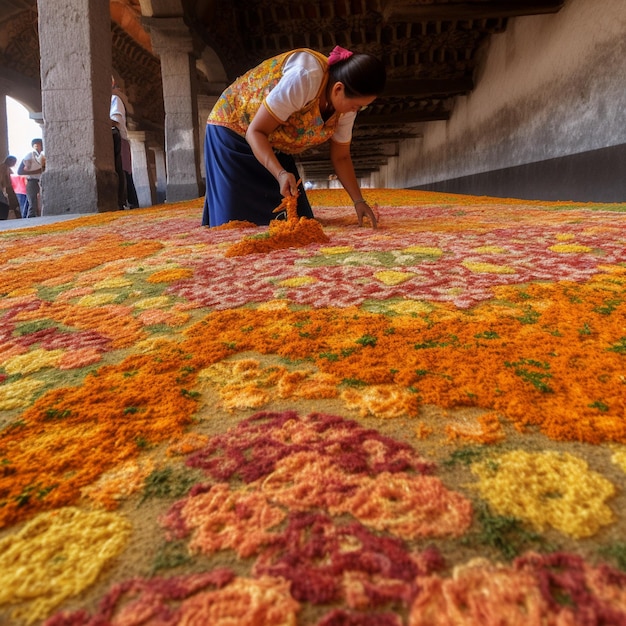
{"points": [[339, 54]]}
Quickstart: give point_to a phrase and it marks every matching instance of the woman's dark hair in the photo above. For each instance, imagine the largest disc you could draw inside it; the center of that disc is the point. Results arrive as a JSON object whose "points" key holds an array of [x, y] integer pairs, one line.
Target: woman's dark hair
{"points": [[362, 74]]}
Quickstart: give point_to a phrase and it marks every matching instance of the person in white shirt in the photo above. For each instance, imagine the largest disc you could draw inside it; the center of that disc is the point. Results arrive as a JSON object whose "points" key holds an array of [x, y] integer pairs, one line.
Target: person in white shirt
{"points": [[126, 193], [32, 166]]}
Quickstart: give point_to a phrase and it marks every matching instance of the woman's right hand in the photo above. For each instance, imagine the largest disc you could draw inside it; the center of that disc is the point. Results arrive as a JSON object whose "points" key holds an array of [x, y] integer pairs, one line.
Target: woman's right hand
{"points": [[288, 184], [261, 127]]}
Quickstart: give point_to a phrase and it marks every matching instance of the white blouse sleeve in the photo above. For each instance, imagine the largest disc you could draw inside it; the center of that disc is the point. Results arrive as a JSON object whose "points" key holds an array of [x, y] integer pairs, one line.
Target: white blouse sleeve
{"points": [[343, 134], [300, 83]]}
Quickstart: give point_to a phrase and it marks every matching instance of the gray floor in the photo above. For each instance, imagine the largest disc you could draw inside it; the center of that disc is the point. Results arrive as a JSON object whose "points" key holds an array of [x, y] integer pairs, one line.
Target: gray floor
{"points": [[13, 224]]}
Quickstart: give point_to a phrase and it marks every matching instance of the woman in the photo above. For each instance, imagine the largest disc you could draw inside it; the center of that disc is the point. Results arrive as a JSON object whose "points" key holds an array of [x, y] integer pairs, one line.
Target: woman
{"points": [[8, 199], [288, 103]]}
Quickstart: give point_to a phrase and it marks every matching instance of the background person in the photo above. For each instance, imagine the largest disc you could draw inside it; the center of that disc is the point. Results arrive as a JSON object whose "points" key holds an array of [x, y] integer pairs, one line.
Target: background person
{"points": [[32, 166], [126, 193], [8, 196], [19, 186], [288, 103]]}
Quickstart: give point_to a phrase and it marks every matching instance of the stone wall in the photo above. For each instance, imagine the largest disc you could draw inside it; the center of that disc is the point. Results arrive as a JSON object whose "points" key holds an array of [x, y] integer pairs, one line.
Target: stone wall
{"points": [[545, 121]]}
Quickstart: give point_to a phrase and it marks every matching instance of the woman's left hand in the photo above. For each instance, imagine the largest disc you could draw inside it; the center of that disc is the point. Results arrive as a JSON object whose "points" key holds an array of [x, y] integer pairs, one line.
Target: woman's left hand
{"points": [[363, 209]]}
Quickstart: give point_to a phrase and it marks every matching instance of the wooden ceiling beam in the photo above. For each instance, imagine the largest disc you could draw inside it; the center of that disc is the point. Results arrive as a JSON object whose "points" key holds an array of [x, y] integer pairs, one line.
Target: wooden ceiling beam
{"points": [[400, 119], [428, 87], [323, 174], [407, 11], [327, 165], [9, 8], [375, 143], [370, 135], [364, 135], [359, 151]]}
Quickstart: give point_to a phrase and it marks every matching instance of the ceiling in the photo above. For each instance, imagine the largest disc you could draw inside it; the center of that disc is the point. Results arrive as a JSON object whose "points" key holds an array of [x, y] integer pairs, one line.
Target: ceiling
{"points": [[431, 49]]}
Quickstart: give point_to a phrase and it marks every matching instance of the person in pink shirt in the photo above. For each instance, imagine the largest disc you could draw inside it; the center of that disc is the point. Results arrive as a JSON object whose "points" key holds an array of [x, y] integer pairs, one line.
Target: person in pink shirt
{"points": [[19, 186]]}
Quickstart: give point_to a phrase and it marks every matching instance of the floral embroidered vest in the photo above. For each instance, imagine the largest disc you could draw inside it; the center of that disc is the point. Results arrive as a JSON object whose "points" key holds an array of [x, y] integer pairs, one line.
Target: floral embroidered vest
{"points": [[239, 103]]}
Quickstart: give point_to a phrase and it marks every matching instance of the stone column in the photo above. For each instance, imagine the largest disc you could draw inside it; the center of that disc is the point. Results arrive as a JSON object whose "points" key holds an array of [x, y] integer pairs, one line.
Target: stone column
{"points": [[142, 172], [205, 104], [161, 173], [75, 46], [172, 42], [4, 128]]}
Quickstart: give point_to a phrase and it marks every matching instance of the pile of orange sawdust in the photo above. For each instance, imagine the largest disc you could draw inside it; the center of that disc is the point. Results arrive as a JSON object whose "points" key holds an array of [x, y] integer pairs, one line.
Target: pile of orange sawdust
{"points": [[294, 232], [234, 224]]}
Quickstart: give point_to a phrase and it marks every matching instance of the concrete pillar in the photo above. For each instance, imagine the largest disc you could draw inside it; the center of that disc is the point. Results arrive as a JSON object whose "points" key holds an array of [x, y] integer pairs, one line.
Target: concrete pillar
{"points": [[205, 105], [172, 42], [75, 47], [142, 172], [4, 128], [160, 173]]}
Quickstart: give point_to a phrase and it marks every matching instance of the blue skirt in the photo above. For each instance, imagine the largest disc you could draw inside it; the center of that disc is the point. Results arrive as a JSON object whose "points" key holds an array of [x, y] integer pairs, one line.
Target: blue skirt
{"points": [[238, 187]]}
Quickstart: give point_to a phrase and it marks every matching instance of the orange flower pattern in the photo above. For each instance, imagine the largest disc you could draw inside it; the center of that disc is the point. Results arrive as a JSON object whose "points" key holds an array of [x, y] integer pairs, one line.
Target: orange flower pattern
{"points": [[319, 423]]}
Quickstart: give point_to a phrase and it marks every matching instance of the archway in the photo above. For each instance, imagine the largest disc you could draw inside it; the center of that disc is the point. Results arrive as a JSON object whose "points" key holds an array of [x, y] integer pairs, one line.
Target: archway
{"points": [[21, 128]]}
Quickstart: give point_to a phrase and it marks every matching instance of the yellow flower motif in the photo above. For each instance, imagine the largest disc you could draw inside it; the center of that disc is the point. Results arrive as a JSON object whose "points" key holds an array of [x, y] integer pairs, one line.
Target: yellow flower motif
{"points": [[246, 384], [385, 401], [241, 397], [297, 281], [18, 394], [479, 267], [490, 250], [157, 302], [115, 282], [619, 457], [170, 275], [97, 299], [23, 291], [426, 250], [565, 237], [410, 307], [336, 250], [33, 361], [393, 277], [56, 556], [569, 248], [243, 384], [547, 489]]}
